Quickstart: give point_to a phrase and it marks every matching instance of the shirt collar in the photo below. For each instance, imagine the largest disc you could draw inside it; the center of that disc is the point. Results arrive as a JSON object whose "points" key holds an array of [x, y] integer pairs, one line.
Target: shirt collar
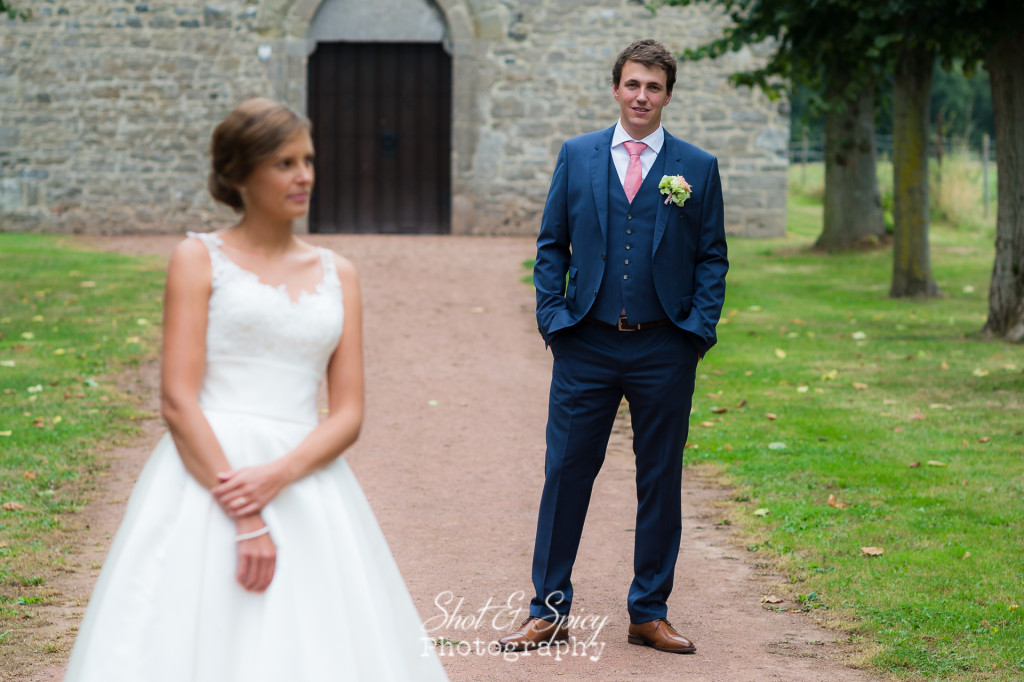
{"points": [[655, 140]]}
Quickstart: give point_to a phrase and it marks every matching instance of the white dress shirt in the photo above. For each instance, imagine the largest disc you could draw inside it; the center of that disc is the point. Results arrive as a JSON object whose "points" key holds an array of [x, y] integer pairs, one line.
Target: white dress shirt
{"points": [[620, 156]]}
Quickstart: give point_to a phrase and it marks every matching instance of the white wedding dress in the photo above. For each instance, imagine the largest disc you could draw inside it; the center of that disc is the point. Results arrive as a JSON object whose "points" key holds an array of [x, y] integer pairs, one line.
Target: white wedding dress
{"points": [[166, 607]]}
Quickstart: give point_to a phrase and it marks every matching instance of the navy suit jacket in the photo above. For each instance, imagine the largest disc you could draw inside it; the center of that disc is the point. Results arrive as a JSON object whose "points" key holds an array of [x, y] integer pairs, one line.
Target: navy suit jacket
{"points": [[689, 258]]}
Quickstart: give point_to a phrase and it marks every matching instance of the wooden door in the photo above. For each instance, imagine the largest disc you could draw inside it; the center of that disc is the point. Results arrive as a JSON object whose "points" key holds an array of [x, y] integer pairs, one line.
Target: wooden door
{"points": [[381, 115]]}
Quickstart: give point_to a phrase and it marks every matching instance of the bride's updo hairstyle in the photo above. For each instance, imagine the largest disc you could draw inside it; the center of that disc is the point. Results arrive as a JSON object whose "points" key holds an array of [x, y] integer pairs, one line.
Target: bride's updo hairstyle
{"points": [[248, 136]]}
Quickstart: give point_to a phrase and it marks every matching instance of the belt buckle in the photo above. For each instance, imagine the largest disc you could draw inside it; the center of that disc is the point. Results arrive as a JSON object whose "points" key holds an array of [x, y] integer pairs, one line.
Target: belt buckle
{"points": [[624, 326]]}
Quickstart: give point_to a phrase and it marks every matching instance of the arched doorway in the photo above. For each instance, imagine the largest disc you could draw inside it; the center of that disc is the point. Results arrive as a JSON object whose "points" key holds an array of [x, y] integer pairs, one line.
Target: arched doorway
{"points": [[379, 97]]}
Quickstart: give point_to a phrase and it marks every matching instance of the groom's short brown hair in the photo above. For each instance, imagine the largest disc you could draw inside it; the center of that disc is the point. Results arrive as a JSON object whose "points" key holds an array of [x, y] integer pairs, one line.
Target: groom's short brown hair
{"points": [[650, 53]]}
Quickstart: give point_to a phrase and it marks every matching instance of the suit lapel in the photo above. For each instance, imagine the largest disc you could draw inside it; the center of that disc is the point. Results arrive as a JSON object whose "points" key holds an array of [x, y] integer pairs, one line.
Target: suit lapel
{"points": [[673, 164], [600, 161]]}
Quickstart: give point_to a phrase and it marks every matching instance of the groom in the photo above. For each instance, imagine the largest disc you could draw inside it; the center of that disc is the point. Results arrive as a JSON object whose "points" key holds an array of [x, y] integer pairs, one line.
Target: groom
{"points": [[629, 290]]}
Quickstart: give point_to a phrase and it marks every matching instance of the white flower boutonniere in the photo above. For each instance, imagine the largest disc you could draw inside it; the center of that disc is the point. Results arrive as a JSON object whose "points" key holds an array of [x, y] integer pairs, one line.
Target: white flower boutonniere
{"points": [[675, 188]]}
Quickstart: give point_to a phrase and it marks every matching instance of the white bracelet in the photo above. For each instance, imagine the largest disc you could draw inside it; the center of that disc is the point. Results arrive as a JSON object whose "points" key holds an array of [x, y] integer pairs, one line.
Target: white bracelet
{"points": [[255, 534]]}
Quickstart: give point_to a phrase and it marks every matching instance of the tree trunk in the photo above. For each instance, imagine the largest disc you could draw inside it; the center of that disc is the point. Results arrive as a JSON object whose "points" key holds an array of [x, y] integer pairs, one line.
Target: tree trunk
{"points": [[912, 85], [853, 204], [1005, 63]]}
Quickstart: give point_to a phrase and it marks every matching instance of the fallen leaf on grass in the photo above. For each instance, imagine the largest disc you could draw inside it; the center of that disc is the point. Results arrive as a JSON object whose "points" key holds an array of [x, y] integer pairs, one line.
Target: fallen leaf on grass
{"points": [[978, 372], [770, 599], [831, 375], [742, 403], [776, 446], [802, 389], [984, 439], [719, 410], [30, 475], [967, 555], [771, 416], [859, 386], [943, 366], [6, 434], [914, 465], [707, 424], [935, 463], [833, 502], [917, 414], [779, 353], [872, 551], [761, 512], [13, 506]]}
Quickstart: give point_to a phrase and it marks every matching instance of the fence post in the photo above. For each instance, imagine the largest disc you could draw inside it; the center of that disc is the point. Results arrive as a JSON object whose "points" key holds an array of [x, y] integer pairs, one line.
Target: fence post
{"points": [[803, 166], [984, 172]]}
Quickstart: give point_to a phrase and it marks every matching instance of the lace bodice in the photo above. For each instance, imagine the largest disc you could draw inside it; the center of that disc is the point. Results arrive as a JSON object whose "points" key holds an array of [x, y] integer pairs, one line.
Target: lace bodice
{"points": [[251, 320]]}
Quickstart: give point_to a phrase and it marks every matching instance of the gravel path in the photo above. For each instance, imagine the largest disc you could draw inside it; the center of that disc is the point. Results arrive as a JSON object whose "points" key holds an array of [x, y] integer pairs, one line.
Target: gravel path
{"points": [[451, 459]]}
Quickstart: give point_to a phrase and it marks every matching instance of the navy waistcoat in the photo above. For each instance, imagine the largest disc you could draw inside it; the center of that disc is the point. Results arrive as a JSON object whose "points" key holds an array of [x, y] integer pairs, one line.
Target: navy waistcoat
{"points": [[628, 280]]}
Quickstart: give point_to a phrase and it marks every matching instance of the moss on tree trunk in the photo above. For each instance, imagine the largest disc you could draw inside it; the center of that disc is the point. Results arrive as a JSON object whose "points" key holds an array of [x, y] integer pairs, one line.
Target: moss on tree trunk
{"points": [[911, 265]]}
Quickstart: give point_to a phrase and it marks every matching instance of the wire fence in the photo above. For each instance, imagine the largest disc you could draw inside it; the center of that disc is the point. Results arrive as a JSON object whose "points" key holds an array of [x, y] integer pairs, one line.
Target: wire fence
{"points": [[811, 149]]}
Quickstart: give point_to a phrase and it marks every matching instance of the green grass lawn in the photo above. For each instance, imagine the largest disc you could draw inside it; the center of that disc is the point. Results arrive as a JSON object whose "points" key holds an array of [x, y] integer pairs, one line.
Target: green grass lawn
{"points": [[823, 387], [70, 322]]}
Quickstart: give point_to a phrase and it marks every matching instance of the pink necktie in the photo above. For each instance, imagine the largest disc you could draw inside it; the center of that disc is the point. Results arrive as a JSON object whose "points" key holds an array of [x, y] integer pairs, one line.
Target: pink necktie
{"points": [[634, 174]]}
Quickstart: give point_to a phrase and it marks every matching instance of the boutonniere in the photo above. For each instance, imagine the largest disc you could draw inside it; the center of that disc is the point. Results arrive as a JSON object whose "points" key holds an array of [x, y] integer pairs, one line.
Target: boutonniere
{"points": [[675, 188]]}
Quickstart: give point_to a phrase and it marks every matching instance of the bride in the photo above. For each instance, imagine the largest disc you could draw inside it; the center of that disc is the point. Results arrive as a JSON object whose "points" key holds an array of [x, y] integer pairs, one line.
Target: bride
{"points": [[248, 551]]}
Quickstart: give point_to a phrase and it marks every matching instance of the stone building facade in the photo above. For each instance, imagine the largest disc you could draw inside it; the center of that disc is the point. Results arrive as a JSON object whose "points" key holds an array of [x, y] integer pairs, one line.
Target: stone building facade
{"points": [[106, 106]]}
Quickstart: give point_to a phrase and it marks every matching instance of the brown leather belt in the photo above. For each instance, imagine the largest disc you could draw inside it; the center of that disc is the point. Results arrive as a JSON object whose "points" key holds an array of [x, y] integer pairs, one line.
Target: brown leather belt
{"points": [[624, 326]]}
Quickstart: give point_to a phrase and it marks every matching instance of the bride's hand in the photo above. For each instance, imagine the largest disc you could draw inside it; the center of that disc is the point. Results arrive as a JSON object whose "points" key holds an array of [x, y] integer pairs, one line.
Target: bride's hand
{"points": [[247, 491], [257, 557]]}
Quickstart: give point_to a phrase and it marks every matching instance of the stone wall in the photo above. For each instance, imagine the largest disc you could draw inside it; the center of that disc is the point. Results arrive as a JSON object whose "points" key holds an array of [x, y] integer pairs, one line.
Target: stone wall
{"points": [[106, 106]]}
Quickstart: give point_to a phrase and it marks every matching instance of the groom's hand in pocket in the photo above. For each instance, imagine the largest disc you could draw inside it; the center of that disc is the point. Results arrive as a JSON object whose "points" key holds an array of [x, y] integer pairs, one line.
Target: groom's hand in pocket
{"points": [[257, 557]]}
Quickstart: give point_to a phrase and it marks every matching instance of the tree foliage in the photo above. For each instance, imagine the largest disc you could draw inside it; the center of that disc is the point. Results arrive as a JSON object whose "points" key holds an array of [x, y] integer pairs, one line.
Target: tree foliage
{"points": [[813, 40], [12, 12]]}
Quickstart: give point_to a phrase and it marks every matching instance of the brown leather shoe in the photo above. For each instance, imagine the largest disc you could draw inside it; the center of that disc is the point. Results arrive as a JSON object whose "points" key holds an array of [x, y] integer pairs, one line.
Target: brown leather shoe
{"points": [[661, 635], [532, 633]]}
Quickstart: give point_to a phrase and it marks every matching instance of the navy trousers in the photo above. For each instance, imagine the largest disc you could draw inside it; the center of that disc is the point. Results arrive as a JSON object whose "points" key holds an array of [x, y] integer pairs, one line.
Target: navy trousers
{"points": [[594, 367]]}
